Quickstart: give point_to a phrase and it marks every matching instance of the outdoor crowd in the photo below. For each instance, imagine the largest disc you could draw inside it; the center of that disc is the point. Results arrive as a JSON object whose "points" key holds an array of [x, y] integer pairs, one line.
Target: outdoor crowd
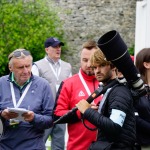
{"points": [[44, 91]]}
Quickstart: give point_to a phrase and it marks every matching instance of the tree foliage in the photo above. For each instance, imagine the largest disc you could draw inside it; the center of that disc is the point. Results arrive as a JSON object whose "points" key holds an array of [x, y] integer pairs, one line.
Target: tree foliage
{"points": [[131, 50], [27, 24]]}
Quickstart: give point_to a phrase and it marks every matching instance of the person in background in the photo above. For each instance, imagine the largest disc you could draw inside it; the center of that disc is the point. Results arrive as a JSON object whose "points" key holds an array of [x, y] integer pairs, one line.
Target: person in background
{"points": [[72, 90], [23, 91], [132, 57], [115, 118], [54, 70], [142, 106]]}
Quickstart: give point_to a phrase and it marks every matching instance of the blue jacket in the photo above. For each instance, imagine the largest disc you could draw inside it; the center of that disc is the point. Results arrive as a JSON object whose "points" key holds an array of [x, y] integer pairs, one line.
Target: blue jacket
{"points": [[27, 136]]}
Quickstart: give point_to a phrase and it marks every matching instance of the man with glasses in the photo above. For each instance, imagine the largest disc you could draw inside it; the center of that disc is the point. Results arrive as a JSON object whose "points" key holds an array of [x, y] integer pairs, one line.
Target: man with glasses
{"points": [[26, 104], [54, 70]]}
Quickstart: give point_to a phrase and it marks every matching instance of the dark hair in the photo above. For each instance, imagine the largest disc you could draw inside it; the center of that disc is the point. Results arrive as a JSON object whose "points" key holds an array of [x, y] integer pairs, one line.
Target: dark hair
{"points": [[141, 57]]}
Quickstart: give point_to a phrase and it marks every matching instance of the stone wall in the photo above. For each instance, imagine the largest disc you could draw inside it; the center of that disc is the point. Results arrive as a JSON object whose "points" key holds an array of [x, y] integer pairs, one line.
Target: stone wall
{"points": [[90, 19]]}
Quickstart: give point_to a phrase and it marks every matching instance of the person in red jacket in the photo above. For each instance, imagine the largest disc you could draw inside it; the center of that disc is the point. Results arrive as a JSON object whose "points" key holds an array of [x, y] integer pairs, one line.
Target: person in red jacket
{"points": [[71, 91]]}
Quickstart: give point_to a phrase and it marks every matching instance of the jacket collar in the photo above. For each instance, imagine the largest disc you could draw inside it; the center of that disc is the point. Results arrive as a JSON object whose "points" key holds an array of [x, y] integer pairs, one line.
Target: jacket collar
{"points": [[10, 79], [87, 77]]}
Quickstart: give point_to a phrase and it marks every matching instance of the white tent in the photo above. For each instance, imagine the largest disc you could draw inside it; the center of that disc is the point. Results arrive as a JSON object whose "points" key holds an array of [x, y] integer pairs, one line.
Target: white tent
{"points": [[142, 29]]}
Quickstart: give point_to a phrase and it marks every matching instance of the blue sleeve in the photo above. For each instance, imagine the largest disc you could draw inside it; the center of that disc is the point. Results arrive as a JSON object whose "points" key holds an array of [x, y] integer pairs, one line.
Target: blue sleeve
{"points": [[44, 119]]}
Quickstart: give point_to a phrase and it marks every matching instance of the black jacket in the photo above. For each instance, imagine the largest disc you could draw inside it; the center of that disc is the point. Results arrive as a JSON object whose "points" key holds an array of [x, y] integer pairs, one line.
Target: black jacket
{"points": [[118, 98], [143, 120]]}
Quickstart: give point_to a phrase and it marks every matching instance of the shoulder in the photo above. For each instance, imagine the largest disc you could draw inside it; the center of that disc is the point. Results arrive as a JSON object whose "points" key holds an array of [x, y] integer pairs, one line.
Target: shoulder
{"points": [[121, 91], [4, 78], [141, 101], [39, 61], [120, 96], [40, 80], [41, 85], [71, 83], [41, 64], [65, 63], [72, 80]]}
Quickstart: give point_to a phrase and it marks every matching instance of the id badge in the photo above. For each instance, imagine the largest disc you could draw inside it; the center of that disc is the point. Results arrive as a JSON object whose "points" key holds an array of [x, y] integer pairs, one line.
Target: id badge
{"points": [[57, 87], [13, 122]]}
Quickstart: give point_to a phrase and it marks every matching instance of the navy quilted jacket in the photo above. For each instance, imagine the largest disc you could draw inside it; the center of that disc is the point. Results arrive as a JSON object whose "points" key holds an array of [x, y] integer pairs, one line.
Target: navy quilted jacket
{"points": [[118, 98]]}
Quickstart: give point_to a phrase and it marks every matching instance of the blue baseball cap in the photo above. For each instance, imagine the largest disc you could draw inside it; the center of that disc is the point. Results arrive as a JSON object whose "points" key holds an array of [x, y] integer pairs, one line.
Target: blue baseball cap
{"points": [[53, 42]]}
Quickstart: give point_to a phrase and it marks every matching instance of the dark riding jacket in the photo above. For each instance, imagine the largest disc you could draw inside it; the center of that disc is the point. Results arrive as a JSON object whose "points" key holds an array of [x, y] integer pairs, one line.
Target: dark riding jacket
{"points": [[119, 98]]}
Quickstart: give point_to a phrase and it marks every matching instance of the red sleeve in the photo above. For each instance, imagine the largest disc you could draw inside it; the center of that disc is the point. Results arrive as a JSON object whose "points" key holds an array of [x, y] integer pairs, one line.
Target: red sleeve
{"points": [[63, 101]]}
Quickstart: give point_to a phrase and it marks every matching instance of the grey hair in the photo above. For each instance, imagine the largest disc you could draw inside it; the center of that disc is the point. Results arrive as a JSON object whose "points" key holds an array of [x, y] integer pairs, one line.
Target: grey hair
{"points": [[10, 57]]}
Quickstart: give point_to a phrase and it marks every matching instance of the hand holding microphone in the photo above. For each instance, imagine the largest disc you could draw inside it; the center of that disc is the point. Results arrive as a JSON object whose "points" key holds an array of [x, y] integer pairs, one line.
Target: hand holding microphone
{"points": [[95, 94]]}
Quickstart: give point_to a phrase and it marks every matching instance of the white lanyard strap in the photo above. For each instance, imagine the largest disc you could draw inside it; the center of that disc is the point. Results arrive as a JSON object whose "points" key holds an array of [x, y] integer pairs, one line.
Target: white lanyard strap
{"points": [[16, 105], [84, 83], [103, 100], [56, 73]]}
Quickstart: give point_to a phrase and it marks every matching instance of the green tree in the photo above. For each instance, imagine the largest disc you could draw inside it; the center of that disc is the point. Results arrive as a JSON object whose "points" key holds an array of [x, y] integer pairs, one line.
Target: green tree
{"points": [[131, 50], [26, 24]]}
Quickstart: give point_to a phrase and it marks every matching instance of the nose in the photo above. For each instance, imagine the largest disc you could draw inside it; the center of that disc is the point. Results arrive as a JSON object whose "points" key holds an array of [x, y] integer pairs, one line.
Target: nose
{"points": [[88, 63], [97, 69], [25, 69]]}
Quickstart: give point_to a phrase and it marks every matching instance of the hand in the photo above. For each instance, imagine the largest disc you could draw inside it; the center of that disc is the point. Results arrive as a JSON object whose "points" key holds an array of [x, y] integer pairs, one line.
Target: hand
{"points": [[29, 116], [83, 105], [94, 106], [8, 115]]}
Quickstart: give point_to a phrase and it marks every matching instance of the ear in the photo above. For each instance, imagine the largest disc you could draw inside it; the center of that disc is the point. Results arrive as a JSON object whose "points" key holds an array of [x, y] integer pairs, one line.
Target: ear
{"points": [[46, 50], [146, 65], [10, 67]]}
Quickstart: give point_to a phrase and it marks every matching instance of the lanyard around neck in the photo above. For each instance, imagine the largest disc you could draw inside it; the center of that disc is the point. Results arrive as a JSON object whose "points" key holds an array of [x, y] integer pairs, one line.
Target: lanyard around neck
{"points": [[16, 105], [84, 83], [55, 73]]}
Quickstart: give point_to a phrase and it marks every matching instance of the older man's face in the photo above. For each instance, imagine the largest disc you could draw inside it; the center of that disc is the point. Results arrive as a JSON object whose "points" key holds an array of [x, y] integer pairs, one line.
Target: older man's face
{"points": [[21, 69], [54, 52]]}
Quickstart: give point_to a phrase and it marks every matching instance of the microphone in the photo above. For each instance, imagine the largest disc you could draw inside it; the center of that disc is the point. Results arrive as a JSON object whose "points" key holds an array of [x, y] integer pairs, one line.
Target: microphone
{"points": [[95, 94]]}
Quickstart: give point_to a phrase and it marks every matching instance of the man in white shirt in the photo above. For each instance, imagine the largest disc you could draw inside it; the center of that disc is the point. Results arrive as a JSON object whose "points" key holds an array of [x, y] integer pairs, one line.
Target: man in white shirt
{"points": [[55, 70]]}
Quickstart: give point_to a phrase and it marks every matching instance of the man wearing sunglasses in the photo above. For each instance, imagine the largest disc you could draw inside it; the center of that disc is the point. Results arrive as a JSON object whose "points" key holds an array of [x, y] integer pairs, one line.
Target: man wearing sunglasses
{"points": [[26, 104], [54, 70]]}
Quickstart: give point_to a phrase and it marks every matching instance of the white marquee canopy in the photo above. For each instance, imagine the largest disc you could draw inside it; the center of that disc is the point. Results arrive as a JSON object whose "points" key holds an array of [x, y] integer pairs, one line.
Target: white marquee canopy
{"points": [[142, 29]]}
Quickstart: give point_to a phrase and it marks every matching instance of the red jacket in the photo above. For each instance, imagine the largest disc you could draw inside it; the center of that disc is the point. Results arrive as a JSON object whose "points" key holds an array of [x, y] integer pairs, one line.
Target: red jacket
{"points": [[71, 92]]}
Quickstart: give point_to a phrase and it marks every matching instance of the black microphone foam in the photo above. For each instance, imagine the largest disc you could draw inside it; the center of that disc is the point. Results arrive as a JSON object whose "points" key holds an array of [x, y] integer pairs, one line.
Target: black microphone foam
{"points": [[115, 50]]}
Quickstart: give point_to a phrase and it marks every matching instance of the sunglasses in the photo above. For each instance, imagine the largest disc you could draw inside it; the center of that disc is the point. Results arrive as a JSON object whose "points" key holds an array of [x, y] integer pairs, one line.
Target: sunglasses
{"points": [[17, 54]]}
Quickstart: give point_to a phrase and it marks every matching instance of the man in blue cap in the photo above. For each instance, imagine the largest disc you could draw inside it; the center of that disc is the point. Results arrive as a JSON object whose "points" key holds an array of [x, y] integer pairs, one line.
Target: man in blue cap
{"points": [[55, 70]]}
